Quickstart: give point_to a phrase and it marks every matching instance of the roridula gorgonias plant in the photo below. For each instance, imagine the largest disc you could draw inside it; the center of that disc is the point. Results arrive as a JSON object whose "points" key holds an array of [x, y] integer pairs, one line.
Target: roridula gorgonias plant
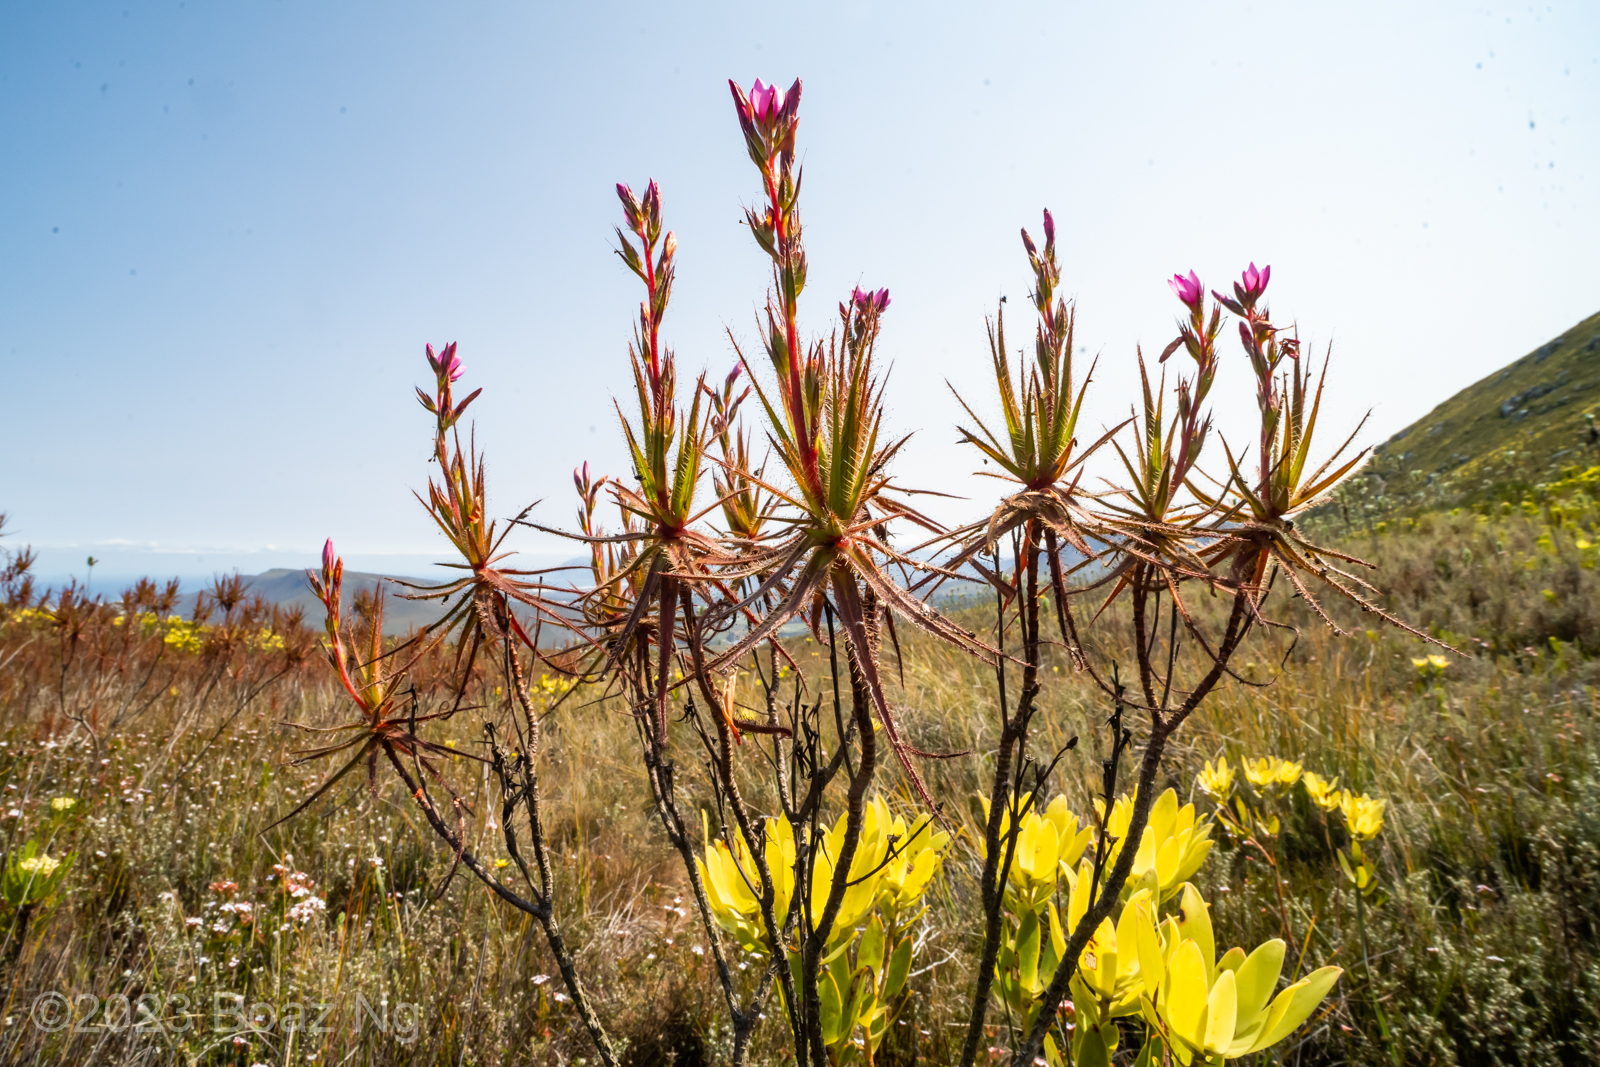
{"points": [[727, 540]]}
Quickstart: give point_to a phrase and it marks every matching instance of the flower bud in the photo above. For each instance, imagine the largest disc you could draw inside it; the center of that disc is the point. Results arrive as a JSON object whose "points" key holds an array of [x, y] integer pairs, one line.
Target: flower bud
{"points": [[631, 209], [1188, 289], [1255, 282]]}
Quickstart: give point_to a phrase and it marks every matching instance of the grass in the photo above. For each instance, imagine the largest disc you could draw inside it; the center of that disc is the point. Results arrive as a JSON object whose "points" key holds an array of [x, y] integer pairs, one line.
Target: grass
{"points": [[1484, 946]]}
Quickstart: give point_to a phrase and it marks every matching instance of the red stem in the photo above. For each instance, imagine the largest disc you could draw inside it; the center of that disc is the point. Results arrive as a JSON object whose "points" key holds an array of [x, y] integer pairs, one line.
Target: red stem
{"points": [[791, 331]]}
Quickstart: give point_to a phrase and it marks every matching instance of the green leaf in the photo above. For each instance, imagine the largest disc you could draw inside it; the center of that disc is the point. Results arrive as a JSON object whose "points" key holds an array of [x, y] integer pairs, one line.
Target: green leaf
{"points": [[832, 1009], [869, 952], [1028, 950], [899, 968]]}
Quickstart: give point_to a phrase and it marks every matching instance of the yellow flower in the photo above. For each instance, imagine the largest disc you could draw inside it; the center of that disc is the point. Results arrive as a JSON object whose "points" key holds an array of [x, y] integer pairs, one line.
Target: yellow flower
{"points": [[502, 862], [1216, 781], [63, 804], [1174, 844], [1362, 814], [41, 866], [1430, 664], [1269, 774], [1047, 846], [1324, 792], [878, 878], [1218, 1008], [1107, 984]]}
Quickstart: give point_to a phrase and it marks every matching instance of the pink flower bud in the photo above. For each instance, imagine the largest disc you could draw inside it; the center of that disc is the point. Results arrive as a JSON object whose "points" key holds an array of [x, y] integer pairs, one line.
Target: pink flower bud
{"points": [[445, 364], [1187, 289], [1254, 281], [1049, 229], [733, 375], [327, 555], [741, 102], [867, 299], [1027, 242]]}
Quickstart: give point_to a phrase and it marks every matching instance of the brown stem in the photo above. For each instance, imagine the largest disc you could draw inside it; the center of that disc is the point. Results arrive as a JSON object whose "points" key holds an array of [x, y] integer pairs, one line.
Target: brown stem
{"points": [[744, 1019], [855, 810], [1144, 795], [542, 910], [1013, 736]]}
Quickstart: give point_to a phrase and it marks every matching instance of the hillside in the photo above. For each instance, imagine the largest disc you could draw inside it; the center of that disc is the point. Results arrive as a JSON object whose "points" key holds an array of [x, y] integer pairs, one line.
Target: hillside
{"points": [[1522, 425], [1536, 403]]}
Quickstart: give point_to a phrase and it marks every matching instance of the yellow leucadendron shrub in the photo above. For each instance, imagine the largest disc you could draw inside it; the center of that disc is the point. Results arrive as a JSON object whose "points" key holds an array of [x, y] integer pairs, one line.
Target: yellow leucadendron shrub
{"points": [[890, 882], [1272, 776], [1048, 846], [1210, 1010], [1174, 844]]}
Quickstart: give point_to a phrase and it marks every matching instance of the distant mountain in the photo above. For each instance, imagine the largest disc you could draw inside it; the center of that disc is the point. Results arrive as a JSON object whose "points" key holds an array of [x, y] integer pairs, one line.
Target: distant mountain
{"points": [[288, 588]]}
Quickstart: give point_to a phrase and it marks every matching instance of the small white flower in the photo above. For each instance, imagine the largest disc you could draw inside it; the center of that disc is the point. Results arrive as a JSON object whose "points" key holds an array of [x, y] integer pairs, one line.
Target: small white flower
{"points": [[540, 979]]}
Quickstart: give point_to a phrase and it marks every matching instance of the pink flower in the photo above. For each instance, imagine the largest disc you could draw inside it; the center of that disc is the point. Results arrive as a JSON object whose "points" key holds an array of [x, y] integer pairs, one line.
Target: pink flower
{"points": [[866, 299], [1187, 289], [445, 364], [765, 104], [327, 555], [765, 100], [1255, 282]]}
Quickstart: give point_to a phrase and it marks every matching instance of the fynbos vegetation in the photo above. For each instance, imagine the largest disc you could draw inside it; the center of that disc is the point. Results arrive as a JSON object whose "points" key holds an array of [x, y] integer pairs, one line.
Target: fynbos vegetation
{"points": [[1172, 780]]}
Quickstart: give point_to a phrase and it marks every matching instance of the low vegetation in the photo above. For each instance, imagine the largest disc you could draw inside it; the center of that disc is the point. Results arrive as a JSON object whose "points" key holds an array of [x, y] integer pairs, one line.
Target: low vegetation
{"points": [[1311, 819], [1482, 940]]}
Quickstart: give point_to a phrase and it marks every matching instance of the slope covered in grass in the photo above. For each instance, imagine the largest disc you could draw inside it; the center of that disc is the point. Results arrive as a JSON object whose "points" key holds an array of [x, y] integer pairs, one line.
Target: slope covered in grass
{"points": [[1524, 425], [1536, 403]]}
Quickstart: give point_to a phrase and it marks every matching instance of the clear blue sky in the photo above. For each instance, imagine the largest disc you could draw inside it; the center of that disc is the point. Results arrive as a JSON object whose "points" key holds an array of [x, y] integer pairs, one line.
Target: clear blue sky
{"points": [[230, 228]]}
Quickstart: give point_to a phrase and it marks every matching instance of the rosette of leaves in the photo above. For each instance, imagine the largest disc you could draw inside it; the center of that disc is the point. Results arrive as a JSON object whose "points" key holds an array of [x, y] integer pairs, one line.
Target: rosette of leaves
{"points": [[32, 875], [1048, 845], [862, 982], [1174, 844], [1205, 1009]]}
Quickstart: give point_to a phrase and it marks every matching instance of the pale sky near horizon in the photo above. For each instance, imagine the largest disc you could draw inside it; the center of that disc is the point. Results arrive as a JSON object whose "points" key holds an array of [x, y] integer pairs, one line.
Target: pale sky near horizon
{"points": [[231, 228]]}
